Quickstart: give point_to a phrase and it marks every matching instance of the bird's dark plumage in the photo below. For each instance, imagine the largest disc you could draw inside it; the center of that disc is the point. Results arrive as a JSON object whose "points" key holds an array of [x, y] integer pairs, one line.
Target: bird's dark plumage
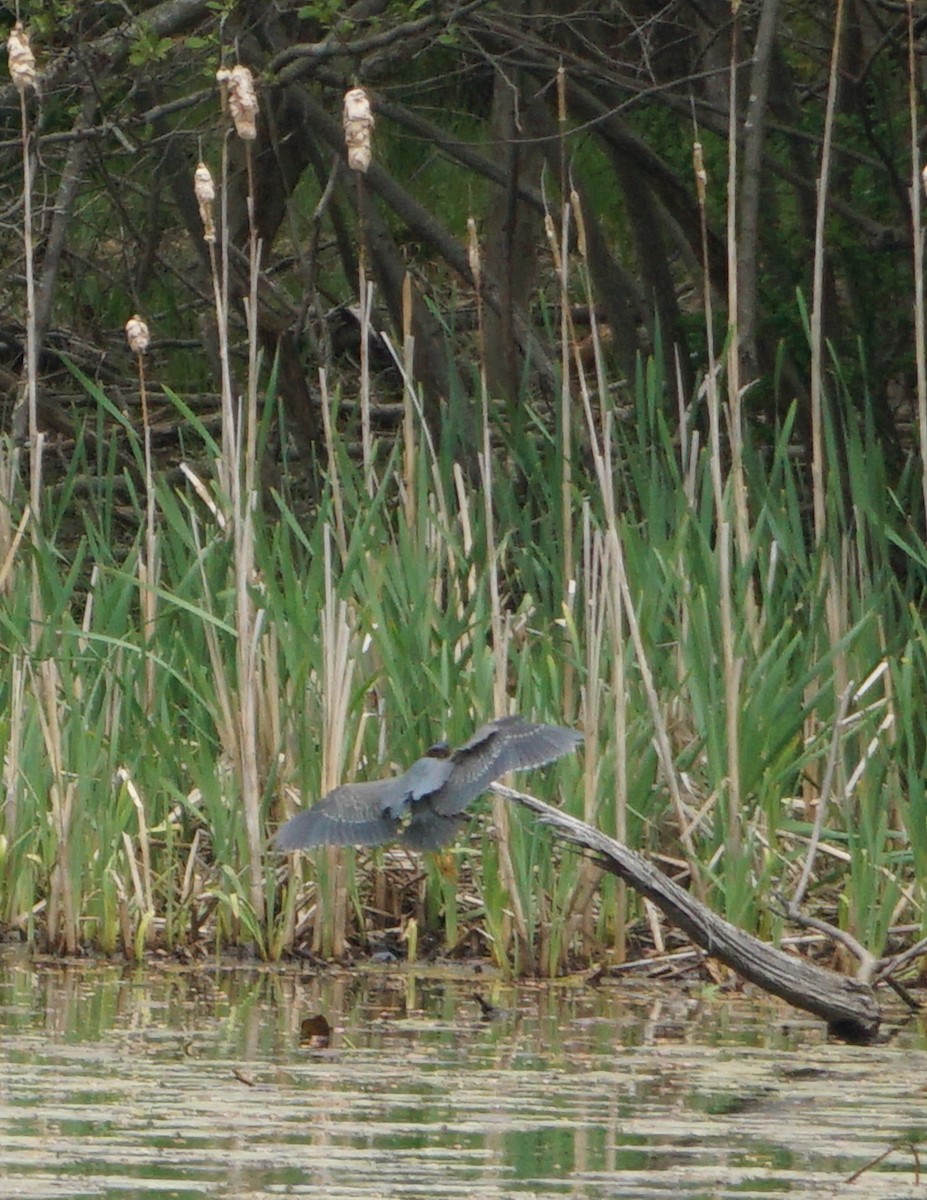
{"points": [[423, 807]]}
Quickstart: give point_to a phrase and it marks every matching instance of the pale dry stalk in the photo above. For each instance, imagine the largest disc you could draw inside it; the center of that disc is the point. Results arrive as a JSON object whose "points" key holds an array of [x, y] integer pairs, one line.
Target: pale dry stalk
{"points": [[339, 660], [358, 121], [204, 189], [46, 686], [498, 623], [238, 472], [139, 338], [836, 626], [918, 181], [23, 74], [732, 665]]}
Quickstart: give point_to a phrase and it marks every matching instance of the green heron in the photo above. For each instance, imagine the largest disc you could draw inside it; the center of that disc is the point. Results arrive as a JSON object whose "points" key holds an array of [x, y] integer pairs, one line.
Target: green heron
{"points": [[422, 808]]}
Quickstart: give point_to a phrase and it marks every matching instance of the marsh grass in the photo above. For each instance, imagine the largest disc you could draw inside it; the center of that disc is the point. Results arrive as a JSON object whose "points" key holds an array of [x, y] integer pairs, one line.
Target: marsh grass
{"points": [[366, 656], [740, 638]]}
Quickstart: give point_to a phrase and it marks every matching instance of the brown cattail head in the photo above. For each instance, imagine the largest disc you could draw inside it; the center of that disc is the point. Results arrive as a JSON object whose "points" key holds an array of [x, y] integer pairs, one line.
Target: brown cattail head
{"points": [[358, 125], [137, 334], [238, 88], [22, 60], [205, 191]]}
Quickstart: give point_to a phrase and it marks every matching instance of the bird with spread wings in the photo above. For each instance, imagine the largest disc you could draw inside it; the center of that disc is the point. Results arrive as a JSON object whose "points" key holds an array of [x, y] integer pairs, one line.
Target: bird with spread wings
{"points": [[423, 808]]}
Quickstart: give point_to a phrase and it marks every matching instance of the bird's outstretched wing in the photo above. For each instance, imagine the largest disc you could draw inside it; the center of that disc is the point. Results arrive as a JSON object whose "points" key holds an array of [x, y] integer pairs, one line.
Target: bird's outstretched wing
{"points": [[506, 744], [348, 816], [363, 814]]}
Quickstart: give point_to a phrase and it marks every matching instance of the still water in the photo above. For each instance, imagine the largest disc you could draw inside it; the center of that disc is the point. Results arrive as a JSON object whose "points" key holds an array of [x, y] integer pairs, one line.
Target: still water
{"points": [[192, 1083]]}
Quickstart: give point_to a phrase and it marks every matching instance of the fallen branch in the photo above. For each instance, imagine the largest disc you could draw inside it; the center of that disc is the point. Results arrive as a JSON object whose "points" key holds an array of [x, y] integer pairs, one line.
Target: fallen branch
{"points": [[847, 1005]]}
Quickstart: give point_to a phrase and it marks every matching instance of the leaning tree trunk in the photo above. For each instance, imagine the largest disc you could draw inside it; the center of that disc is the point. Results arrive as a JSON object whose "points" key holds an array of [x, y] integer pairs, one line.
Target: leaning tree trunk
{"points": [[847, 1005]]}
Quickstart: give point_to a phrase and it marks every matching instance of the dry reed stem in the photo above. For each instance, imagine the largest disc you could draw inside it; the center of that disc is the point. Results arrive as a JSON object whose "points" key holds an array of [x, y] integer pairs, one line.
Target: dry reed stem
{"points": [[188, 886], [358, 124], [566, 422], [661, 737], [22, 68], [408, 421], [918, 181], [732, 666], [46, 686], [225, 718], [247, 617], [122, 909], [600, 441], [12, 541], [818, 464], [23, 75], [138, 337], [466, 527], [144, 890], [736, 477], [334, 478], [204, 494], [137, 886], [498, 624], [365, 291], [219, 269], [338, 664], [9, 541], [560, 255], [817, 339], [238, 471], [608, 597], [577, 911], [616, 624], [14, 745]]}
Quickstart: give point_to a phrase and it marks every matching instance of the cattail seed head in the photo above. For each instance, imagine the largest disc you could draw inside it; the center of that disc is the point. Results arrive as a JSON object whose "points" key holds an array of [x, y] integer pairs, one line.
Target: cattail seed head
{"points": [[22, 60], [137, 334], [205, 191], [238, 88], [358, 126]]}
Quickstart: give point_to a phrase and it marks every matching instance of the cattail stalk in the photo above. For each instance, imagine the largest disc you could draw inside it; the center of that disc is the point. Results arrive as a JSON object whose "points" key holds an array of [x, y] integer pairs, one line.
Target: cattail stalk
{"points": [[358, 122], [498, 624], [238, 470], [23, 75], [138, 337], [918, 181]]}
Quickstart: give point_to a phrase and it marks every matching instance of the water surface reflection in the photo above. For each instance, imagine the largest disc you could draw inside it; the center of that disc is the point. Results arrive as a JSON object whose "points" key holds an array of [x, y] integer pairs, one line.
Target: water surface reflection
{"points": [[191, 1083]]}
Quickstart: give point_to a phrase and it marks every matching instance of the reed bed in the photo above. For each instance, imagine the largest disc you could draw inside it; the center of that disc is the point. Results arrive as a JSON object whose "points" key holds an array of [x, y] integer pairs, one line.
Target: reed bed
{"points": [[737, 631], [363, 655]]}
